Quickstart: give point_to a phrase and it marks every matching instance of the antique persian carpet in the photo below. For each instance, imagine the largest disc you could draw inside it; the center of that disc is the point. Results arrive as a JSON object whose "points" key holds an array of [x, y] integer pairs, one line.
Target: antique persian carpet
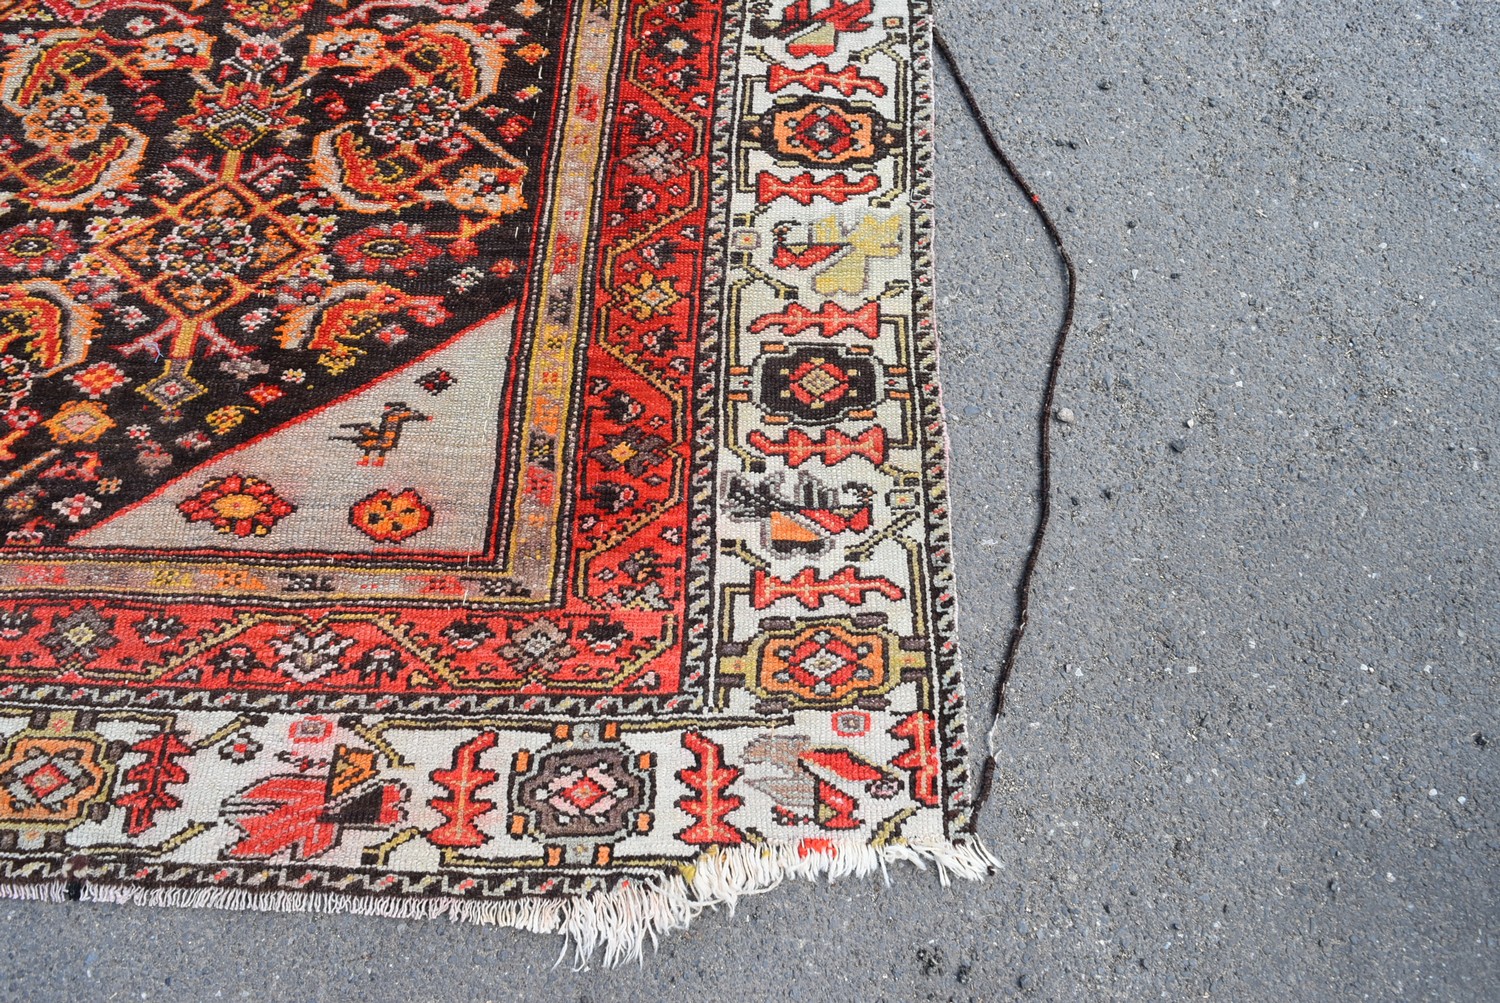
{"points": [[478, 458]]}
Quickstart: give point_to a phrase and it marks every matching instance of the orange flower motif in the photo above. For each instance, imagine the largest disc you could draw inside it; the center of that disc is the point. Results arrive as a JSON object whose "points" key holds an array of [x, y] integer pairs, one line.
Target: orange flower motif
{"points": [[494, 191], [67, 119], [388, 518], [386, 249], [244, 506], [79, 421], [98, 380]]}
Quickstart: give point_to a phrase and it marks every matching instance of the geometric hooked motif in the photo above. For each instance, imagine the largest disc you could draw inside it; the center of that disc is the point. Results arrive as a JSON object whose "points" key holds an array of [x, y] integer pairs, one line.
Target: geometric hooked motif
{"points": [[478, 457]]}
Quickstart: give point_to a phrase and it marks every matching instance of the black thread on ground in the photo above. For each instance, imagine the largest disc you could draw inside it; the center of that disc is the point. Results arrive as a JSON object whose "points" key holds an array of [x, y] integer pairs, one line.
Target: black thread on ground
{"points": [[1044, 422]]}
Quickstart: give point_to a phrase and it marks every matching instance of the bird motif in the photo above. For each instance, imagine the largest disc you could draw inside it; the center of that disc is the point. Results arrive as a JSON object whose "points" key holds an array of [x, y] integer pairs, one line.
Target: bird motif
{"points": [[803, 255], [809, 787], [379, 437]]}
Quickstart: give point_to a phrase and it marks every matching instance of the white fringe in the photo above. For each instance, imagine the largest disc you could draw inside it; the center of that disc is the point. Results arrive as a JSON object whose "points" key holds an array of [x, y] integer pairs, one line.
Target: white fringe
{"points": [[616, 922]]}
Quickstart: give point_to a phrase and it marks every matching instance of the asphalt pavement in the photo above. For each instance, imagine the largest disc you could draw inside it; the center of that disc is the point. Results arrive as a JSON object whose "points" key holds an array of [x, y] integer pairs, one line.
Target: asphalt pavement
{"points": [[1252, 740]]}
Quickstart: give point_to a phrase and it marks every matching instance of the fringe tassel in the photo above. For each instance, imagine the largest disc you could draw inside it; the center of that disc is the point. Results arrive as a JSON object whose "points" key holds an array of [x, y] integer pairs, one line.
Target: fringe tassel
{"points": [[614, 923]]}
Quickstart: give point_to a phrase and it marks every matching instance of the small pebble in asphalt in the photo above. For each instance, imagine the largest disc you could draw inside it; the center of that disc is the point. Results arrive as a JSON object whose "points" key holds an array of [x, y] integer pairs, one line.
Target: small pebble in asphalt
{"points": [[1066, 415], [1178, 445]]}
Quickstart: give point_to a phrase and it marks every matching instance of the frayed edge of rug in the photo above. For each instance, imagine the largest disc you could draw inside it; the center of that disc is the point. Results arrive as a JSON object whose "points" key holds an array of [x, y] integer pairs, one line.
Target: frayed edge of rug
{"points": [[616, 924]]}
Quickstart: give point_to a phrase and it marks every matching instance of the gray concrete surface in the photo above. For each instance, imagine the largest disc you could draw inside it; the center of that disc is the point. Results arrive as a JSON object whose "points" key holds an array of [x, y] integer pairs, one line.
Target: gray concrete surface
{"points": [[1251, 752]]}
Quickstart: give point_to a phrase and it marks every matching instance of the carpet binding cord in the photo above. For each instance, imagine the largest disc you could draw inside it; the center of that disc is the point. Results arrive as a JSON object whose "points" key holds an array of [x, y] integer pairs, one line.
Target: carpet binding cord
{"points": [[614, 923]]}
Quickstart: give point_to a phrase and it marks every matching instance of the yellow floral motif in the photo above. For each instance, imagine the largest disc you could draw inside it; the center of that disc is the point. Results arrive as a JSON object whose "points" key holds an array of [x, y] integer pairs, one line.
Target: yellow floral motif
{"points": [[103, 228], [651, 298], [870, 238], [223, 419], [315, 229], [338, 361], [268, 13]]}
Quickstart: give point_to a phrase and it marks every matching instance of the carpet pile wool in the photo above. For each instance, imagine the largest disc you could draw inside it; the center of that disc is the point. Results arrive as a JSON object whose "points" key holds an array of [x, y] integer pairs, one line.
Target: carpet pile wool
{"points": [[477, 458]]}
